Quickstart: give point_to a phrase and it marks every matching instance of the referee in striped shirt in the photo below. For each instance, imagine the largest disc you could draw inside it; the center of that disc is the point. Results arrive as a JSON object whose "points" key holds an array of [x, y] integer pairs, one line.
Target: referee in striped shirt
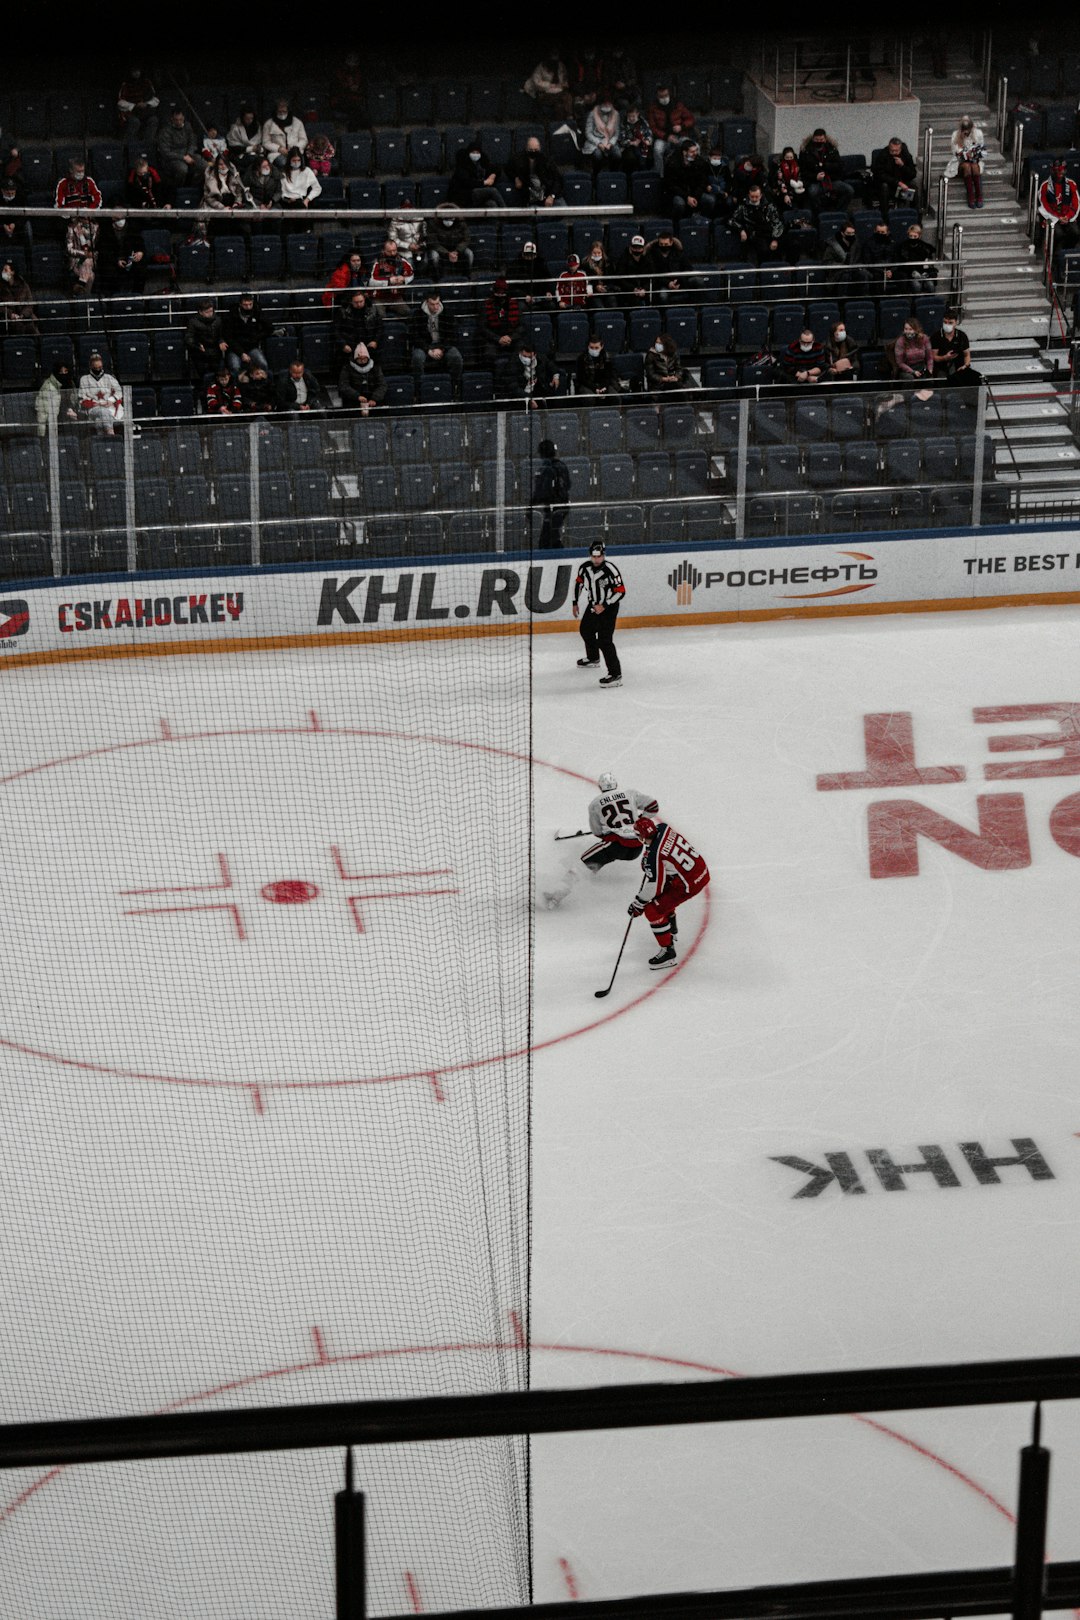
{"points": [[600, 582]]}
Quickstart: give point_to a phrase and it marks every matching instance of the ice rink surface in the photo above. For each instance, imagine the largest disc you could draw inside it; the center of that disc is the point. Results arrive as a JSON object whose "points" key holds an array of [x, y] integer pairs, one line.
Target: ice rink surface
{"points": [[722, 1156]]}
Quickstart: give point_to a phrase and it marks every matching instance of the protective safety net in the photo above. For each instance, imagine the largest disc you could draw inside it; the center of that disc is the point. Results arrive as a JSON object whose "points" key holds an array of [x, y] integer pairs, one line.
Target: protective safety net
{"points": [[264, 1092]]}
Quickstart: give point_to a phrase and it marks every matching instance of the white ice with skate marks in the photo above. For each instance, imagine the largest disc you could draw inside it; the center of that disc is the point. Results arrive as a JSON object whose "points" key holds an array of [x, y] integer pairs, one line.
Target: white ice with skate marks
{"points": [[823, 1012]]}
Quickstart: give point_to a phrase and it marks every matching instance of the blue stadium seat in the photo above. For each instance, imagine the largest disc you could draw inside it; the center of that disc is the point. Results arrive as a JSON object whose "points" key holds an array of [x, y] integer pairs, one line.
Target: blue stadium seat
{"points": [[605, 429], [939, 460], [176, 400], [681, 324], [418, 103], [611, 187], [788, 321], [48, 265], [903, 461], [861, 463], [720, 374], [383, 104], [678, 422], [20, 360], [645, 191], [892, 313], [823, 466], [717, 329], [486, 101], [737, 136], [455, 485], [926, 414], [860, 319], [193, 261], [230, 258], [630, 370], [616, 477], [425, 151], [432, 192], [726, 418], [781, 465], [302, 254], [131, 357], [642, 427], [691, 472], [571, 333], [667, 523], [770, 419], [653, 474], [890, 417], [847, 416], [812, 424], [451, 102], [391, 152], [610, 325], [751, 328], [822, 315]]}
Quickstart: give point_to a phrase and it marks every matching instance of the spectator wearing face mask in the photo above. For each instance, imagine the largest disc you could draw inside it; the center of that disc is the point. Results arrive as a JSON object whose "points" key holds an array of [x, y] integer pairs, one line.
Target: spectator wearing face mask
{"points": [[448, 252], [101, 399], [916, 271], [749, 171], [952, 353], [529, 278], [77, 189], [529, 376], [664, 370], [637, 152], [910, 356], [56, 399], [600, 271], [361, 383], [603, 136], [473, 184], [879, 256], [633, 277], [281, 134], [348, 272], [689, 186], [845, 251], [536, 181], [15, 232], [670, 269], [671, 123], [434, 342], [760, 228], [258, 395], [785, 183], [595, 370], [299, 185], [821, 171], [356, 320], [804, 359], [17, 316], [842, 354], [407, 230], [391, 277], [264, 184]]}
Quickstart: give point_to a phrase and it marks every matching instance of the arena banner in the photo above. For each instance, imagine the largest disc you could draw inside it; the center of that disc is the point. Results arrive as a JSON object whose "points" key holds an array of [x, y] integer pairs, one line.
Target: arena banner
{"points": [[121, 615]]}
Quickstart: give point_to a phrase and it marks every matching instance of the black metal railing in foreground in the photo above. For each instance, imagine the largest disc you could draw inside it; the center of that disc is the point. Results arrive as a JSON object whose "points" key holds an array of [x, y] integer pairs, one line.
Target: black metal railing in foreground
{"points": [[1025, 1590]]}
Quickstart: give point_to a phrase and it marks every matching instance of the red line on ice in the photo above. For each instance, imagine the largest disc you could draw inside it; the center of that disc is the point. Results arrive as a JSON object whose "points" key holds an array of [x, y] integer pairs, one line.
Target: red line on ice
{"points": [[414, 1593], [569, 1579]]}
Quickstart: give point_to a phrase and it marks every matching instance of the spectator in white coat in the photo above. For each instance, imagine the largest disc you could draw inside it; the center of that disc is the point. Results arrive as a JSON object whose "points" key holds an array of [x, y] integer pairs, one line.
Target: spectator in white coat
{"points": [[101, 398], [299, 184], [968, 149], [281, 133]]}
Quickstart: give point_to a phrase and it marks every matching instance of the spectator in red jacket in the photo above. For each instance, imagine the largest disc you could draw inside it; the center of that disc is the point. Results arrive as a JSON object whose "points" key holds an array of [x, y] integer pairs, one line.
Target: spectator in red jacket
{"points": [[77, 189], [142, 188], [670, 121], [391, 276], [222, 397], [348, 272], [1059, 200], [502, 324]]}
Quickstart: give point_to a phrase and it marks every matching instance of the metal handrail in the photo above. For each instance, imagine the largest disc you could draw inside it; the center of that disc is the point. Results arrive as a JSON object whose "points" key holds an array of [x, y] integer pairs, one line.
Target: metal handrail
{"points": [[957, 277], [1032, 206], [1047, 272], [1002, 98], [927, 163], [943, 209], [1018, 157], [987, 67]]}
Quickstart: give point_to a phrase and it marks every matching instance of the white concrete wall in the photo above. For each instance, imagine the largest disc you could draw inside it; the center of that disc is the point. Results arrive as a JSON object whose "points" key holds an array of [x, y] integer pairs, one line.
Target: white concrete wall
{"points": [[857, 126]]}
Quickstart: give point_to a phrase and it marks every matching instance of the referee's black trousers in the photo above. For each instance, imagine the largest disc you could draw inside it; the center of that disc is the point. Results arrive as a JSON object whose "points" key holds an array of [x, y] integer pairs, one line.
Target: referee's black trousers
{"points": [[598, 634]]}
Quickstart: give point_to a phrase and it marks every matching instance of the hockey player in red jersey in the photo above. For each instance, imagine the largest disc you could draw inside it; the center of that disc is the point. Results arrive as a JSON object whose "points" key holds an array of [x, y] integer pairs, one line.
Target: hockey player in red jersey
{"points": [[673, 872]]}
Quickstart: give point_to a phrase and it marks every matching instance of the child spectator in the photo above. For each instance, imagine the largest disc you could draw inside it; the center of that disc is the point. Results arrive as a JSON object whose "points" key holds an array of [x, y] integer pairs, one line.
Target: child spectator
{"points": [[222, 396], [214, 144], [257, 392], [572, 285], [321, 153]]}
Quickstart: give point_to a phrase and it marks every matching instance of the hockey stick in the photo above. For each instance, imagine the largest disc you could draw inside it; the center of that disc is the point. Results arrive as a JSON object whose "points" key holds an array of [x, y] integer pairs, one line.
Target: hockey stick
{"points": [[600, 993], [582, 832]]}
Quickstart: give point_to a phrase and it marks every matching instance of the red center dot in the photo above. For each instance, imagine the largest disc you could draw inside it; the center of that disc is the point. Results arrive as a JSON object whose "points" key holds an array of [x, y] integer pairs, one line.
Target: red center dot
{"points": [[290, 892]]}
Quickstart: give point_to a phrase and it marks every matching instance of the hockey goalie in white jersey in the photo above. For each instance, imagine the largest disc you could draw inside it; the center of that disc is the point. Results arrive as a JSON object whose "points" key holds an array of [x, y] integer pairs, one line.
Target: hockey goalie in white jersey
{"points": [[612, 815]]}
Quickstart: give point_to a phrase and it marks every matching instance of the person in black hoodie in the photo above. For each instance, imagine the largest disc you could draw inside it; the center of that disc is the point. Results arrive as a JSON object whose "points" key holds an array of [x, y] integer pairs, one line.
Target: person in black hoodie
{"points": [[258, 395], [356, 320], [879, 255], [204, 340], [688, 183], [245, 329], [595, 371], [845, 251]]}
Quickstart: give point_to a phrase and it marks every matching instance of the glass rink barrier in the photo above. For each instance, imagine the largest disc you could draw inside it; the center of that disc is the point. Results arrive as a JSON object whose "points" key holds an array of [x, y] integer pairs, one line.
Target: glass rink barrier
{"points": [[84, 497]]}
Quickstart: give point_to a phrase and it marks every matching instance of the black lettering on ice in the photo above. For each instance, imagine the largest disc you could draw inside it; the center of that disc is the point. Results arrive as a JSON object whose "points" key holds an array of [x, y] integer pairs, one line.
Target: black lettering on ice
{"points": [[1027, 1157], [891, 1175], [840, 1170]]}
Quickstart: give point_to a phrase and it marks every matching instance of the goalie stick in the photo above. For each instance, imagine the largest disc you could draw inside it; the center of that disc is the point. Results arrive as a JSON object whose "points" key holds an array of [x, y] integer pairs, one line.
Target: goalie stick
{"points": [[582, 832]]}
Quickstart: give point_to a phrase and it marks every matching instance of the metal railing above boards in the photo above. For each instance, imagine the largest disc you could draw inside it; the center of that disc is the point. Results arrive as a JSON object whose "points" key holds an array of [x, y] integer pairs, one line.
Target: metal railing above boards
{"points": [[216, 492]]}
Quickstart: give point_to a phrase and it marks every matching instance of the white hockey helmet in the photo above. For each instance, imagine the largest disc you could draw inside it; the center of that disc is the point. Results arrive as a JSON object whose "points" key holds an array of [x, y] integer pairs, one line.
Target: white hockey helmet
{"points": [[606, 782]]}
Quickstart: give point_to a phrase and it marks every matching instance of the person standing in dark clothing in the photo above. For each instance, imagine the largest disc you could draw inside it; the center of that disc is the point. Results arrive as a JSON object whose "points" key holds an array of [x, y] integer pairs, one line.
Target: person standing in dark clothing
{"points": [[551, 495], [600, 582]]}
